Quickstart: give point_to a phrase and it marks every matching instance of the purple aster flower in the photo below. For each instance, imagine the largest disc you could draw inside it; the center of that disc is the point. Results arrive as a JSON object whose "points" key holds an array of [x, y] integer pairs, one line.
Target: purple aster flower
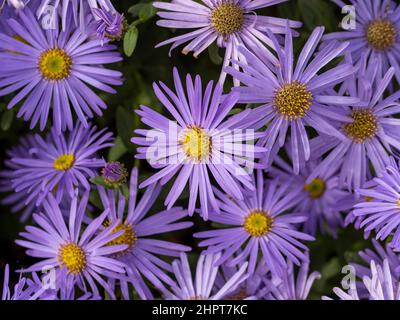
{"points": [[114, 174], [18, 201], [292, 286], [379, 254], [380, 285], [55, 70], [370, 132], [85, 253], [229, 23], [322, 199], [379, 208], [204, 140], [59, 163], [202, 286], [25, 289], [65, 288], [109, 25], [253, 288], [17, 4], [376, 33], [142, 253], [77, 8], [293, 95], [259, 226]]}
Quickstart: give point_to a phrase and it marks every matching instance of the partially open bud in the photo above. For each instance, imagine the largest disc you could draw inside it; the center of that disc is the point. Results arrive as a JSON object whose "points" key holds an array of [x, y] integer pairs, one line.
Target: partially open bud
{"points": [[111, 25], [114, 174]]}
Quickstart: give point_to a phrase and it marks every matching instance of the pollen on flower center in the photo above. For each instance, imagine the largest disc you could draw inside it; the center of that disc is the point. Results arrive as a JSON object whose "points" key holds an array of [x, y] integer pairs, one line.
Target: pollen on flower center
{"points": [[316, 188], [196, 143], [381, 34], [364, 126], [64, 162], [293, 100], [227, 18], [73, 257], [128, 237], [55, 64], [258, 223]]}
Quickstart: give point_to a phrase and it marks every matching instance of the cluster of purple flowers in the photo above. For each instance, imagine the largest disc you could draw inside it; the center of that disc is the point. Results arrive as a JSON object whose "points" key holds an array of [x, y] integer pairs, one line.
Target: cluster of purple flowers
{"points": [[314, 149]]}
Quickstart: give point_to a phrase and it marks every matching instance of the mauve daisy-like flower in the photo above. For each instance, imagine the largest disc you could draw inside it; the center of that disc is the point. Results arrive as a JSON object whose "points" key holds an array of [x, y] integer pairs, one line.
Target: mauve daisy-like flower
{"points": [[322, 199], [114, 174], [17, 201], [229, 23], [78, 9], [376, 33], [379, 285], [379, 253], [17, 4], [253, 288], [85, 253], [58, 164], [262, 224], [66, 288], [201, 287], [294, 94], [142, 255], [53, 71], [25, 289], [369, 134], [204, 143], [379, 206], [109, 25], [292, 285]]}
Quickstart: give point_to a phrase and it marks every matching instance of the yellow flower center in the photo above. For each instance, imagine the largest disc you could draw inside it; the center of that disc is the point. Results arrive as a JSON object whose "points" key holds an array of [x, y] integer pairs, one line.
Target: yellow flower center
{"points": [[381, 34], [196, 143], [364, 126], [316, 188], [258, 223], [64, 162], [55, 64], [73, 257], [227, 18], [128, 237], [293, 100]]}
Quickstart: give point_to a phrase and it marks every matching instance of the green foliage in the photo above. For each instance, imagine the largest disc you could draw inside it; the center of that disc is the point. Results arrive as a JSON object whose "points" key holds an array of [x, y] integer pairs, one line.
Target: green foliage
{"points": [[130, 40]]}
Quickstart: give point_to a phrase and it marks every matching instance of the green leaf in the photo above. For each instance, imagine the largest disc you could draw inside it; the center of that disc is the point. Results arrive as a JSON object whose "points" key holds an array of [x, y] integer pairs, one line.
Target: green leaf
{"points": [[118, 150], [6, 120], [214, 54], [95, 200], [146, 12], [99, 181], [331, 268], [125, 191], [130, 40], [134, 10]]}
